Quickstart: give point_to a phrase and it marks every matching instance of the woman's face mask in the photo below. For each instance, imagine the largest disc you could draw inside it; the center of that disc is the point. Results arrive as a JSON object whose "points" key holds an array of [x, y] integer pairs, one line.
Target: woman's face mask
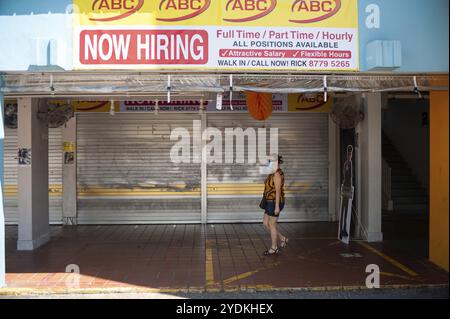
{"points": [[271, 165]]}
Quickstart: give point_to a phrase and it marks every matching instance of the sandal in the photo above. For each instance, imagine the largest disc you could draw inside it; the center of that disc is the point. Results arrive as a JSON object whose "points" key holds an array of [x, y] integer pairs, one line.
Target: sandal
{"points": [[271, 251], [284, 242]]}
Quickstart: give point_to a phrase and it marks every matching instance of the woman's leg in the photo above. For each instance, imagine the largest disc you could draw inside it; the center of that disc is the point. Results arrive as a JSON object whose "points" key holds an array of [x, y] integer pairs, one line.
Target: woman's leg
{"points": [[273, 231], [280, 236], [266, 222]]}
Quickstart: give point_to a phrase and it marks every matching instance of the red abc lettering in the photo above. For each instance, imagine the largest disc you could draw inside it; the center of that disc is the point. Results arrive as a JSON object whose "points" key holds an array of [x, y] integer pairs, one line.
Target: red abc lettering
{"points": [[325, 9], [130, 6], [171, 5], [327, 6], [315, 6], [116, 4], [183, 5], [249, 5], [237, 5], [303, 6], [196, 4], [249, 10], [261, 5], [186, 9], [103, 5]]}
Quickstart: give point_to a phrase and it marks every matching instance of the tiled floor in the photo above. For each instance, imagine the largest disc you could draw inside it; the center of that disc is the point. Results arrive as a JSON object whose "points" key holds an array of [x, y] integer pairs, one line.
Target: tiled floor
{"points": [[213, 257]]}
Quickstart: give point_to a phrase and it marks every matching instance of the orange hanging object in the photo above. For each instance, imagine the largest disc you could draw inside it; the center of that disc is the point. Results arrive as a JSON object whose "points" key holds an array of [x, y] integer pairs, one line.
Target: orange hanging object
{"points": [[259, 105]]}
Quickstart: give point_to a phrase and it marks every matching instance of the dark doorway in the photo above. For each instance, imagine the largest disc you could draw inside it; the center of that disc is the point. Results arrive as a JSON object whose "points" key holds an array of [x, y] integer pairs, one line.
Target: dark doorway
{"points": [[406, 156]]}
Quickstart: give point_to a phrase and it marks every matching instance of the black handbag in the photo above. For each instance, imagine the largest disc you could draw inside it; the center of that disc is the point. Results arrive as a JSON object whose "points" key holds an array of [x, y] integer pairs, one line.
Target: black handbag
{"points": [[263, 203]]}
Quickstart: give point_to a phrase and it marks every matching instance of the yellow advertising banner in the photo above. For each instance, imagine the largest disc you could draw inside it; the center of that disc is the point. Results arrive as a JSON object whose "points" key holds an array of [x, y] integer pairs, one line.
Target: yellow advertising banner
{"points": [[309, 103], [68, 146], [244, 13], [89, 106], [216, 34], [93, 106]]}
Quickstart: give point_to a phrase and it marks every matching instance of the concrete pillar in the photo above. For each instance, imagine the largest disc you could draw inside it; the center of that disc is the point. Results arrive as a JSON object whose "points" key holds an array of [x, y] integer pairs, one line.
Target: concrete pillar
{"points": [[33, 206], [69, 172], [2, 216], [370, 159], [204, 172], [333, 165]]}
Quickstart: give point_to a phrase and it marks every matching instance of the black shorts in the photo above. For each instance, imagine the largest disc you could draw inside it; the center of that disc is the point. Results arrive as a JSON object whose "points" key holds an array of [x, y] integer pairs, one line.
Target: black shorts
{"points": [[270, 208]]}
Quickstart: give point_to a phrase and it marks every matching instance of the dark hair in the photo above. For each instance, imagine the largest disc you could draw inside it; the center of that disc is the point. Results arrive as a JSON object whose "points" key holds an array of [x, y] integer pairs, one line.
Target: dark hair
{"points": [[280, 159]]}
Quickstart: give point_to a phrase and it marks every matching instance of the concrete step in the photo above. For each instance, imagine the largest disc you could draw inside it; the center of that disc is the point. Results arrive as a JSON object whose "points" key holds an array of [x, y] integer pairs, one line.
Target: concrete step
{"points": [[389, 149], [410, 200], [405, 185], [408, 192], [403, 178], [389, 153], [401, 172], [400, 216], [386, 142], [396, 162], [395, 214], [411, 207], [398, 165], [421, 215]]}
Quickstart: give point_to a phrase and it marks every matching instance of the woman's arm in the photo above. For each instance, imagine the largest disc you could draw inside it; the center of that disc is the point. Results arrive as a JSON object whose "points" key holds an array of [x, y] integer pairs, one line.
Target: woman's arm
{"points": [[277, 181]]}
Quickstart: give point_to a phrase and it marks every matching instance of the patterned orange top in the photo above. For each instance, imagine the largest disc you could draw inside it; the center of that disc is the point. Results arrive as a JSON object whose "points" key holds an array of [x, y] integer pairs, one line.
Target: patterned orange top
{"points": [[269, 187]]}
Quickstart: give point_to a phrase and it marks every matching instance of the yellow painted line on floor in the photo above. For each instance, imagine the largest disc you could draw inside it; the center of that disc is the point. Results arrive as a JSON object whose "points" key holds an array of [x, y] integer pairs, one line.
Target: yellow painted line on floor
{"points": [[334, 243], [248, 274], [388, 274], [316, 250], [209, 265], [239, 277], [389, 259]]}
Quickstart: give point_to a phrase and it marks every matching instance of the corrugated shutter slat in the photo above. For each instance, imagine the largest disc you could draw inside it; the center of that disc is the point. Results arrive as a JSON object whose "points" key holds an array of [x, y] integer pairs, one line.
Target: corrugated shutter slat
{"points": [[125, 174], [303, 143]]}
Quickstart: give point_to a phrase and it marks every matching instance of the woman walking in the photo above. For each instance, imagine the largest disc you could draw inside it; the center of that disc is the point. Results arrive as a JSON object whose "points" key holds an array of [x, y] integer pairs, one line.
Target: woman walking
{"points": [[273, 203]]}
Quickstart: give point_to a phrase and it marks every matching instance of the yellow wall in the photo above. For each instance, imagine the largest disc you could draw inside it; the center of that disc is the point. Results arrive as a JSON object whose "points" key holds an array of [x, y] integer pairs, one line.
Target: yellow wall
{"points": [[439, 178]]}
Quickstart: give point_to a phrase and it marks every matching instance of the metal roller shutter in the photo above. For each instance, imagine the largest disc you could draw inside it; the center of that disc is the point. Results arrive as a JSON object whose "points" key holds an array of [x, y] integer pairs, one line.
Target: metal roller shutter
{"points": [[55, 161], [10, 176], [234, 191], [124, 171], [55, 175]]}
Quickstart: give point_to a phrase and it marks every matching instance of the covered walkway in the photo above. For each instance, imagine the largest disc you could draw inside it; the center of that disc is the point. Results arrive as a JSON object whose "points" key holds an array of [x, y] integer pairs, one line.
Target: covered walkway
{"points": [[221, 257]]}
